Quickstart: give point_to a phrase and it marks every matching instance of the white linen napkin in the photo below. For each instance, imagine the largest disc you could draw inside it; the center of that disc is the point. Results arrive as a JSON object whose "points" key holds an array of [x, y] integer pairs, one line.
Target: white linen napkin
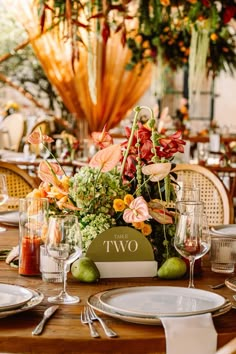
{"points": [[190, 334]]}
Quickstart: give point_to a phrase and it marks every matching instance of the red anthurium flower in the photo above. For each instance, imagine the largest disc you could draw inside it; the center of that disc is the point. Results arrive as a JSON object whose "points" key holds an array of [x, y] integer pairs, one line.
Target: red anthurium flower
{"points": [[229, 13], [137, 211], [145, 150], [157, 171], [38, 138], [206, 3], [102, 139], [143, 134], [107, 158]]}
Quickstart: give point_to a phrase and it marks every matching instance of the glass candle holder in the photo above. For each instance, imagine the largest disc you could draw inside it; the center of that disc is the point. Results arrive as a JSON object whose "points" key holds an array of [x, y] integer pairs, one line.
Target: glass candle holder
{"points": [[33, 220]]}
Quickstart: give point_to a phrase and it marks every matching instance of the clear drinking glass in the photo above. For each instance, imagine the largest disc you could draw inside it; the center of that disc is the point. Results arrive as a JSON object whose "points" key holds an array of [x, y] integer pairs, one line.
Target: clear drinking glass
{"points": [[192, 238], [3, 194], [186, 192], [64, 244]]}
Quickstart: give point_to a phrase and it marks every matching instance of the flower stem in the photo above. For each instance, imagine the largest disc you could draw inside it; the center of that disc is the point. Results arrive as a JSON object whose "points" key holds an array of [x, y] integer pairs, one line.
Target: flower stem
{"points": [[137, 111]]}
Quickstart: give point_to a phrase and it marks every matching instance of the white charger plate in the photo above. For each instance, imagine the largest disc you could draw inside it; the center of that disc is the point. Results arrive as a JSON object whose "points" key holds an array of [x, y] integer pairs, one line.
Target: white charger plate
{"points": [[95, 303], [161, 301], [12, 296], [36, 299], [226, 230]]}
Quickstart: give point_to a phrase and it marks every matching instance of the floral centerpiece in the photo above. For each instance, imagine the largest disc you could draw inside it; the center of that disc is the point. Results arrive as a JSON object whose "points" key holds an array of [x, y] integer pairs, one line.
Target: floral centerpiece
{"points": [[124, 184]]}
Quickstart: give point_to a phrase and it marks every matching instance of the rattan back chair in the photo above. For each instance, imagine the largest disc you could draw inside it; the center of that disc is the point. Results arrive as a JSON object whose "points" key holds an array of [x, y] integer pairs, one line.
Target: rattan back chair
{"points": [[19, 183], [218, 204], [14, 126]]}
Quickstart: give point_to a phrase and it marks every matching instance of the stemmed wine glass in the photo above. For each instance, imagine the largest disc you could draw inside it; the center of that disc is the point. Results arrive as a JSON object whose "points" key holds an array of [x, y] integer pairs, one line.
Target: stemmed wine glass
{"points": [[64, 244], [192, 238], [187, 192], [3, 194]]}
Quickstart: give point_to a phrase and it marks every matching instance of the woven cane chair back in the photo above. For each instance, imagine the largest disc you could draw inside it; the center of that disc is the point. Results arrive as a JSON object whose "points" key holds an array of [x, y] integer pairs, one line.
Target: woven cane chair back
{"points": [[14, 125], [218, 204], [19, 183]]}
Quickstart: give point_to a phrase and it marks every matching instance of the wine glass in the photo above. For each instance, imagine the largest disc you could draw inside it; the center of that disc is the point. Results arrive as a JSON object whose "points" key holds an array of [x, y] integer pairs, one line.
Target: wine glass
{"points": [[187, 192], [3, 194], [192, 238], [64, 244]]}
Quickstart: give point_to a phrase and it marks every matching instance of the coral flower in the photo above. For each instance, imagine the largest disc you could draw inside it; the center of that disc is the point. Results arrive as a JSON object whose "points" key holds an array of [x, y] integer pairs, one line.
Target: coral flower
{"points": [[107, 158], [137, 211], [38, 138], [102, 139]]}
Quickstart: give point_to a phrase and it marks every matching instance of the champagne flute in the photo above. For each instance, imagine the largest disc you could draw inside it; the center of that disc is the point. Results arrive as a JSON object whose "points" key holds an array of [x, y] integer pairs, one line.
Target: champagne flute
{"points": [[64, 244], [3, 194], [192, 238]]}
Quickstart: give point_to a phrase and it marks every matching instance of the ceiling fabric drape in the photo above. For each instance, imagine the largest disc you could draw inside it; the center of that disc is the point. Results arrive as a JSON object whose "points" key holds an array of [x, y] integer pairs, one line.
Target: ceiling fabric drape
{"points": [[116, 89]]}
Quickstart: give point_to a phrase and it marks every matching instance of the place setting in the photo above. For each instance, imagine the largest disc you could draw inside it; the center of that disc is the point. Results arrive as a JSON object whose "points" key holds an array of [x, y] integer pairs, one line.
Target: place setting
{"points": [[15, 299]]}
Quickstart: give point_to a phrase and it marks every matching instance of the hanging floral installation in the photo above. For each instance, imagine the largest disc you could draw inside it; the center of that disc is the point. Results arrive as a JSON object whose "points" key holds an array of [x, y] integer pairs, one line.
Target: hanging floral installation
{"points": [[106, 47]]}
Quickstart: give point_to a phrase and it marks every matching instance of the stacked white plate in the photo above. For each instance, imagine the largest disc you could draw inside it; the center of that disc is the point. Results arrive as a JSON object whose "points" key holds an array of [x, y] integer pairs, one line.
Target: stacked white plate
{"points": [[15, 299], [146, 304], [224, 230]]}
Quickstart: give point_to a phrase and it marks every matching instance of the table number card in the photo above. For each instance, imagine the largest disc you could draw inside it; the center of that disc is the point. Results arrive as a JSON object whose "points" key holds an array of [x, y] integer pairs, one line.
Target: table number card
{"points": [[122, 252]]}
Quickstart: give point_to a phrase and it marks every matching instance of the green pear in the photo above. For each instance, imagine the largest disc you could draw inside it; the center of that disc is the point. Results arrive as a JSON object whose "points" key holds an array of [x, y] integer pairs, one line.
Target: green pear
{"points": [[172, 268], [85, 270]]}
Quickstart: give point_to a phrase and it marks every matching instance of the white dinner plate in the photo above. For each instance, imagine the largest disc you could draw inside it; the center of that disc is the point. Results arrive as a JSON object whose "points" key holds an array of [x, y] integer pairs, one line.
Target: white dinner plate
{"points": [[36, 299], [161, 301], [9, 218], [226, 230], [95, 303], [12, 296]]}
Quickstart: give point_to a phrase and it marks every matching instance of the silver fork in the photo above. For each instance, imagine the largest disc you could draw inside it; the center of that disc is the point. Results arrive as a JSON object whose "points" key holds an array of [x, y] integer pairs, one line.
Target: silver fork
{"points": [[93, 316], [85, 319]]}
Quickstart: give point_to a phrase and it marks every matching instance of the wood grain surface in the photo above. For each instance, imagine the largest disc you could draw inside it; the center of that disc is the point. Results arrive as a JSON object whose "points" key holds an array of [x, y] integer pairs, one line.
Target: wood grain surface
{"points": [[64, 332]]}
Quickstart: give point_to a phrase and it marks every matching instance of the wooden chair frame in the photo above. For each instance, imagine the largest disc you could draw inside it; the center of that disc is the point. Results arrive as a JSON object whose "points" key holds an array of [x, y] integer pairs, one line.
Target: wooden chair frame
{"points": [[19, 183], [226, 206]]}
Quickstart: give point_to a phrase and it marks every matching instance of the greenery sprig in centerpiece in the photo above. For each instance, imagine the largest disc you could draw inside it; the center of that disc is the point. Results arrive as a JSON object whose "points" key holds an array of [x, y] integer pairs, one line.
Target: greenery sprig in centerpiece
{"points": [[124, 184]]}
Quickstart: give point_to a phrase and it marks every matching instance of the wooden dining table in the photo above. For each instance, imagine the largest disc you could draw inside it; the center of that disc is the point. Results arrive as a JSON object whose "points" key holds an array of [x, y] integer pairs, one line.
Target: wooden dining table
{"points": [[64, 332]]}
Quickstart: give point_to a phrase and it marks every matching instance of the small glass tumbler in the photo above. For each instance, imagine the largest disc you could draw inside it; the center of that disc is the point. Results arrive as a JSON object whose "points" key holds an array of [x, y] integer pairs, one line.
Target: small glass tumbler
{"points": [[223, 254], [33, 222], [52, 271]]}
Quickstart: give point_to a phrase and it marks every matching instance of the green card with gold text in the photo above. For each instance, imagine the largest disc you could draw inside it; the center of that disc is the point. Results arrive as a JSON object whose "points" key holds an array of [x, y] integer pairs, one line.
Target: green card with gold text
{"points": [[121, 243]]}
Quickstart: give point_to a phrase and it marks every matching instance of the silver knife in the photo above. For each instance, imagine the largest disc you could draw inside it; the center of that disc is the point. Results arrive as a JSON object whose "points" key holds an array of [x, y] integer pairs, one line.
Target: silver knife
{"points": [[47, 314]]}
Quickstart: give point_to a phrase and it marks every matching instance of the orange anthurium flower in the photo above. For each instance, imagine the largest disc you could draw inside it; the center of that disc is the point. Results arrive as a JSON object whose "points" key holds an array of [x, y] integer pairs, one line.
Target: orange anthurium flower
{"points": [[107, 158], [64, 203], [38, 138], [159, 213], [48, 173], [157, 171], [137, 211], [102, 139]]}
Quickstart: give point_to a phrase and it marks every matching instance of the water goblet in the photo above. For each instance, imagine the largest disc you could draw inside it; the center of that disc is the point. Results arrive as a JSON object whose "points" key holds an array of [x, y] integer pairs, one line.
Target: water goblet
{"points": [[192, 239], [187, 192], [3, 194], [64, 244]]}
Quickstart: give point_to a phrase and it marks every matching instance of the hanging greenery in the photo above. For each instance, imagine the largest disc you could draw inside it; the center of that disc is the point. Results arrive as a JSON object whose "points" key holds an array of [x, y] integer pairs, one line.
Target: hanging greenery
{"points": [[149, 27]]}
